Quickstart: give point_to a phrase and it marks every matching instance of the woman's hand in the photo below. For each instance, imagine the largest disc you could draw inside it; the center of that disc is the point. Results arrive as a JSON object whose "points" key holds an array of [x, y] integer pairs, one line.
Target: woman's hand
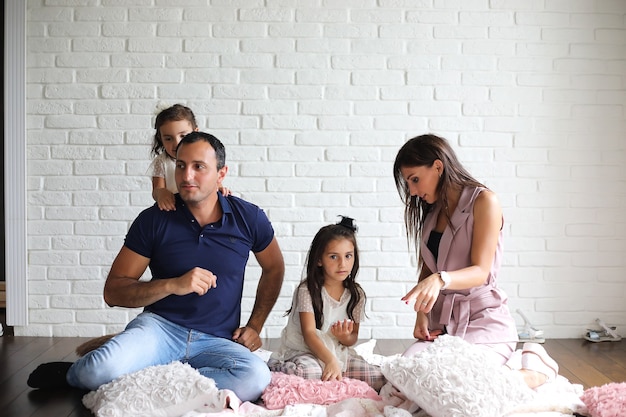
{"points": [[332, 370], [425, 293], [421, 330]]}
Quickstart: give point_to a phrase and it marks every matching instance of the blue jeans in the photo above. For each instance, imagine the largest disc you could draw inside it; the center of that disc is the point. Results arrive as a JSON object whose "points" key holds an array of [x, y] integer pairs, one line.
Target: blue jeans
{"points": [[150, 340]]}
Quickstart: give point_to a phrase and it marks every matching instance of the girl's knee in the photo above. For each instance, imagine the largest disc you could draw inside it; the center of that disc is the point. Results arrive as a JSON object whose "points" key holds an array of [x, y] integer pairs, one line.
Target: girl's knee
{"points": [[308, 369], [304, 366]]}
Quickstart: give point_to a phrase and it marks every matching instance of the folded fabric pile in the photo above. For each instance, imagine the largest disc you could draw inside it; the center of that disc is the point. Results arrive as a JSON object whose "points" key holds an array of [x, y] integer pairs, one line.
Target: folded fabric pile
{"points": [[608, 400], [286, 390]]}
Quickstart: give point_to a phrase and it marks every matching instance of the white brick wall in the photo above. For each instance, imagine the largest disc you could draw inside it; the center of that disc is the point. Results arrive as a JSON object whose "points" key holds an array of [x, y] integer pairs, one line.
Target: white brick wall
{"points": [[312, 100]]}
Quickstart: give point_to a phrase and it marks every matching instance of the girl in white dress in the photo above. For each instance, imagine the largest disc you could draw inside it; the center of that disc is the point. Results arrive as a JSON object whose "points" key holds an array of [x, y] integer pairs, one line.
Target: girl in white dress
{"points": [[171, 124], [327, 309]]}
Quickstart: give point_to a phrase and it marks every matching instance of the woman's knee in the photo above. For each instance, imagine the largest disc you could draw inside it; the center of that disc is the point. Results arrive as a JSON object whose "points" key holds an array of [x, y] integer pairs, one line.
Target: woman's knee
{"points": [[417, 347]]}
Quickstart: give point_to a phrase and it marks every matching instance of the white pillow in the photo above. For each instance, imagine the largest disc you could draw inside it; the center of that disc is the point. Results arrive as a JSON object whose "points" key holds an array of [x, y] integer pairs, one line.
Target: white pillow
{"points": [[156, 391], [453, 378]]}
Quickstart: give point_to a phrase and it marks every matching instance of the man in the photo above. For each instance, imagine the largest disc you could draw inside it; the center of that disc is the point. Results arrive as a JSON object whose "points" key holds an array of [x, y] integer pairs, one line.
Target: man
{"points": [[192, 305]]}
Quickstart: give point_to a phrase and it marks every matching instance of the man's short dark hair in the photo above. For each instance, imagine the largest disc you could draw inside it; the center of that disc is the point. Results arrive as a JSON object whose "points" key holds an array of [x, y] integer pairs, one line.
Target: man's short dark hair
{"points": [[220, 151]]}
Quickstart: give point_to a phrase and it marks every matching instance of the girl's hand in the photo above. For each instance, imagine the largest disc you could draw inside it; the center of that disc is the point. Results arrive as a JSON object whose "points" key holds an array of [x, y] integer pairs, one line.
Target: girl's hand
{"points": [[224, 190], [425, 293], [341, 329], [164, 199], [421, 330], [331, 371]]}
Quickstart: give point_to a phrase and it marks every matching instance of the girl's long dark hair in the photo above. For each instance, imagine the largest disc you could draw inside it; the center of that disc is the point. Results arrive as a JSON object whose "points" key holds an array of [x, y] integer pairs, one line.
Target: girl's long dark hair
{"points": [[423, 151], [174, 113], [314, 274]]}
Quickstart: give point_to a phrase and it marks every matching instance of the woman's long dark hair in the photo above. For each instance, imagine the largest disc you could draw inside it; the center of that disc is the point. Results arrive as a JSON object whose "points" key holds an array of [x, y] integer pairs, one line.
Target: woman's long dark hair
{"points": [[314, 274], [424, 150]]}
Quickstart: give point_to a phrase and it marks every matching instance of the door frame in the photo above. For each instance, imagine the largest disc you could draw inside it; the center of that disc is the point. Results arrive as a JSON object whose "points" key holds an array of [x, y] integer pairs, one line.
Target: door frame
{"points": [[16, 263]]}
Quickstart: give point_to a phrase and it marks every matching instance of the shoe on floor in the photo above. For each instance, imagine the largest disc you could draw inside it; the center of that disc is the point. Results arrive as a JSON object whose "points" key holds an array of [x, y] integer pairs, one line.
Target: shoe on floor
{"points": [[607, 334], [50, 375], [529, 333], [535, 358]]}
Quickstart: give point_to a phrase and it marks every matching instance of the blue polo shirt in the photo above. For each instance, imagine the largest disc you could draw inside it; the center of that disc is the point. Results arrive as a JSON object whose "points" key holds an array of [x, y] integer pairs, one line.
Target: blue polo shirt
{"points": [[175, 244]]}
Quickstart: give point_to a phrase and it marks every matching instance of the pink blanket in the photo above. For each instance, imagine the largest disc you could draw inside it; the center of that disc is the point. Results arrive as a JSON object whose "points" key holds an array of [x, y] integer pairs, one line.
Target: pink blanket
{"points": [[286, 390]]}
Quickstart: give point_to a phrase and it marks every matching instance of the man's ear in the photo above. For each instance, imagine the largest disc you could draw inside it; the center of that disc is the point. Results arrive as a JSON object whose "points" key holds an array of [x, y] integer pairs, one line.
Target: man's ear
{"points": [[221, 174]]}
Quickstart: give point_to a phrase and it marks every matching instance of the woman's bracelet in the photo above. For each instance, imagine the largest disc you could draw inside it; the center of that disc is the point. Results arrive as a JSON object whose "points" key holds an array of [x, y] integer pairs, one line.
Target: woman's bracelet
{"points": [[445, 278]]}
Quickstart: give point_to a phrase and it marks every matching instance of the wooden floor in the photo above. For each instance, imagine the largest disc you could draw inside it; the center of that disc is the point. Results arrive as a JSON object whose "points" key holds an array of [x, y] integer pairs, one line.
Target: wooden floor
{"points": [[582, 362]]}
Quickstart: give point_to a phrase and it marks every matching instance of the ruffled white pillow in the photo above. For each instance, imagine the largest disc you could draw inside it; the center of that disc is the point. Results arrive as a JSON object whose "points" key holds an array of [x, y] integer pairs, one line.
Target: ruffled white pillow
{"points": [[157, 391], [453, 378]]}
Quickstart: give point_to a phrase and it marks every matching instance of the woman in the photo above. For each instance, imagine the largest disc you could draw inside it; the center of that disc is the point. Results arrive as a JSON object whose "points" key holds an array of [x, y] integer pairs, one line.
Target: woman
{"points": [[456, 224]]}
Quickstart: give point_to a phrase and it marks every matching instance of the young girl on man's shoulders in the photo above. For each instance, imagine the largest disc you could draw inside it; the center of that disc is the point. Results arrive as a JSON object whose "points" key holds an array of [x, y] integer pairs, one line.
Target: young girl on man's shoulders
{"points": [[172, 125]]}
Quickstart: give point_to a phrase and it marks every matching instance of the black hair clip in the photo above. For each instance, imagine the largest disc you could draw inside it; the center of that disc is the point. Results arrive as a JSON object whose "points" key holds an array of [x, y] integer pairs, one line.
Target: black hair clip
{"points": [[348, 222]]}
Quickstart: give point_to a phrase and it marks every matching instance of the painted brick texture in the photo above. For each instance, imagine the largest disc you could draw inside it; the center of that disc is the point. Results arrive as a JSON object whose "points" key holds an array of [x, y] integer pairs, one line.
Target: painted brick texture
{"points": [[312, 100]]}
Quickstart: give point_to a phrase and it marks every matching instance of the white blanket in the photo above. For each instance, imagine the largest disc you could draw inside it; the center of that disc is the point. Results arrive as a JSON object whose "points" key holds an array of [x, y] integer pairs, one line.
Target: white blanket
{"points": [[177, 390]]}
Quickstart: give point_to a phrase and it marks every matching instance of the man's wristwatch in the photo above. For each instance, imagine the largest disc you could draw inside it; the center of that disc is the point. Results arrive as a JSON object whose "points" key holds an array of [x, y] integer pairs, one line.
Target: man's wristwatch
{"points": [[445, 278]]}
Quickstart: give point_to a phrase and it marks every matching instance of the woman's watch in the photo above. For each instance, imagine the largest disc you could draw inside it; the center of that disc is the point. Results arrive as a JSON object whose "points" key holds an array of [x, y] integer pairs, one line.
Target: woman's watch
{"points": [[445, 278]]}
